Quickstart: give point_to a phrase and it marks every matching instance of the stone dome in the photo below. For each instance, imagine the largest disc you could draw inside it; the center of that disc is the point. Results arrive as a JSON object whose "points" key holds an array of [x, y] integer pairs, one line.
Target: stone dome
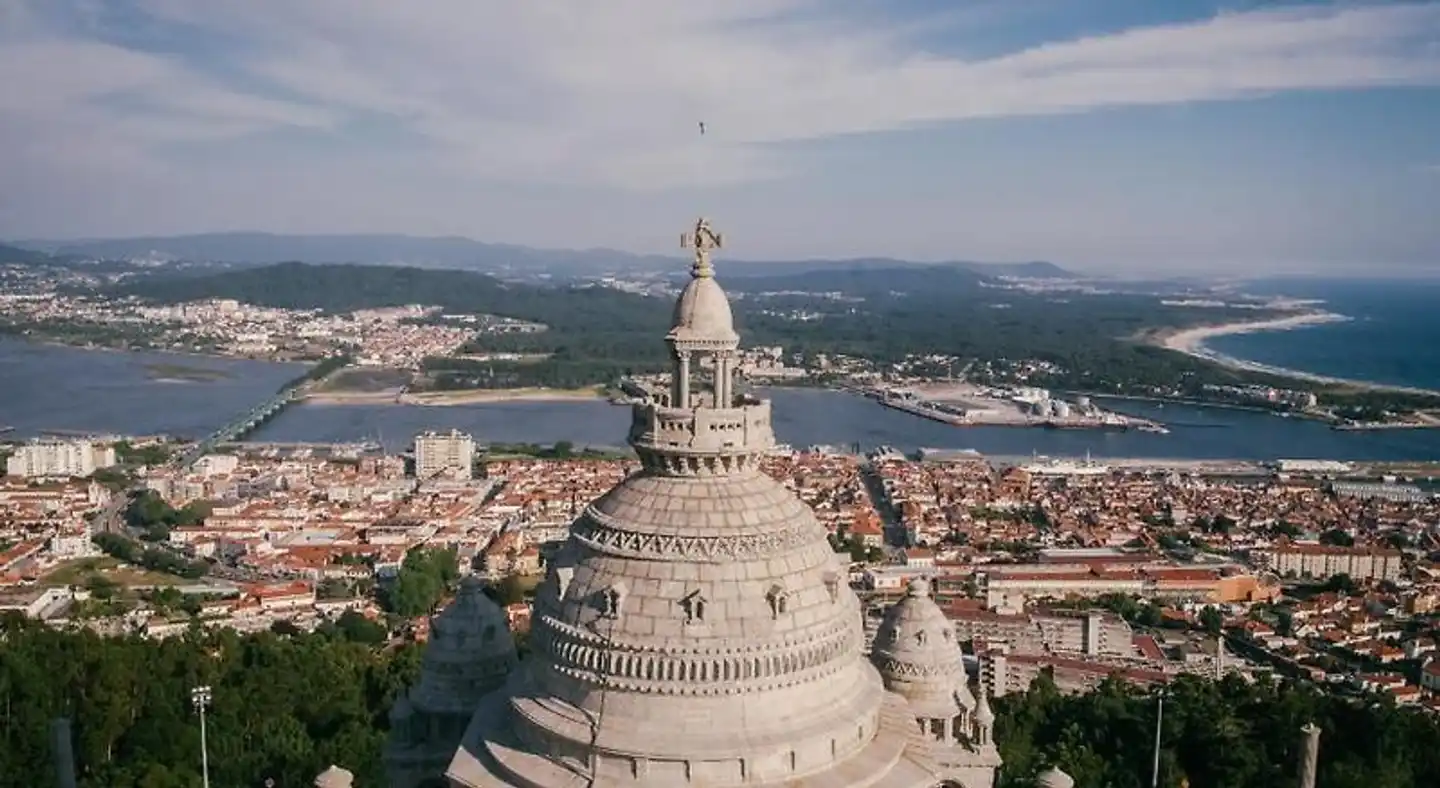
{"points": [[918, 657], [469, 653], [696, 619], [702, 315], [1054, 778], [335, 777]]}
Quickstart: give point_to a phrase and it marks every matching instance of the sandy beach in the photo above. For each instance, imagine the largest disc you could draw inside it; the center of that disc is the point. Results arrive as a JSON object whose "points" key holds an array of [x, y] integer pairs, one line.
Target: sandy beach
{"points": [[481, 396], [1191, 341], [390, 397], [447, 398]]}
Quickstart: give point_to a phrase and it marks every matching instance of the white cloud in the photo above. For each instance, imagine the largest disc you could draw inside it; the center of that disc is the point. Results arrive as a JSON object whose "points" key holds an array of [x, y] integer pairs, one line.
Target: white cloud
{"points": [[607, 94]]}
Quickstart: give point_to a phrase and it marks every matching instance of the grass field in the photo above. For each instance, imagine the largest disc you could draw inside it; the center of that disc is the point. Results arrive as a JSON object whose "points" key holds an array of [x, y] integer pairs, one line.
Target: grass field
{"points": [[77, 572]]}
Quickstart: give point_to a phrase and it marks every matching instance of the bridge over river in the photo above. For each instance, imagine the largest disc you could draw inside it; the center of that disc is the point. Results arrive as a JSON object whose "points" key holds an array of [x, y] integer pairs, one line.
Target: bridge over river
{"points": [[242, 425]]}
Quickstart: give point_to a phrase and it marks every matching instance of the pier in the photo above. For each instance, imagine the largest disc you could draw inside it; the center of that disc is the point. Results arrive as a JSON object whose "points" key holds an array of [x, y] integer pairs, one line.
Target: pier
{"points": [[1011, 416]]}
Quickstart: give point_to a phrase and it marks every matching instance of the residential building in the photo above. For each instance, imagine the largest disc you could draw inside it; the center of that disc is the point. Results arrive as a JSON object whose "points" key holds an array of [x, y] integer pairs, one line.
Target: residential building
{"points": [[449, 455]]}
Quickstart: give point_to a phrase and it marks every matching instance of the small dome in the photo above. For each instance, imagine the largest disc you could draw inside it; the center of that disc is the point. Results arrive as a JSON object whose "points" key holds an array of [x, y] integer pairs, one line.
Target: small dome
{"points": [[1054, 778], [702, 314], [335, 777], [918, 657], [468, 620], [470, 652]]}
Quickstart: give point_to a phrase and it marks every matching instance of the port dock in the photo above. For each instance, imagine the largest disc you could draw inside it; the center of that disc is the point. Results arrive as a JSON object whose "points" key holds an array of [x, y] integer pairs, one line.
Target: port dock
{"points": [[972, 406]]}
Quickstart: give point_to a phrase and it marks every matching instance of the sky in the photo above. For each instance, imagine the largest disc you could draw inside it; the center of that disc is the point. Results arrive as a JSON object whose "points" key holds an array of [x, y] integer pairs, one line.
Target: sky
{"points": [[1127, 136]]}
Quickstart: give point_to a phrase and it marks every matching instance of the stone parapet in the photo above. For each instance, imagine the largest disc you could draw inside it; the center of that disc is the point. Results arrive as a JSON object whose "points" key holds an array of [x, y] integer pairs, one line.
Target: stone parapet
{"points": [[679, 440]]}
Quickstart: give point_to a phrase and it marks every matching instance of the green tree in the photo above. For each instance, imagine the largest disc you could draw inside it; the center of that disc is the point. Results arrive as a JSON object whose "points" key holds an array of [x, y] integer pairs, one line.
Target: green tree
{"points": [[424, 577], [1212, 619], [1337, 537], [509, 590]]}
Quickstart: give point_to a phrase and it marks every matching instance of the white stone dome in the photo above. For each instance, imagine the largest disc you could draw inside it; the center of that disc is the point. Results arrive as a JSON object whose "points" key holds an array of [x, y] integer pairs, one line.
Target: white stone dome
{"points": [[469, 652], [918, 657], [702, 315], [701, 618], [1054, 778], [335, 777]]}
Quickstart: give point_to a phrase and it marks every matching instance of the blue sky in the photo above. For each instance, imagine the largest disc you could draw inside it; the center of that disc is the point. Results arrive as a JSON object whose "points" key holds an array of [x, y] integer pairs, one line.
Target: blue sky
{"points": [[1134, 136]]}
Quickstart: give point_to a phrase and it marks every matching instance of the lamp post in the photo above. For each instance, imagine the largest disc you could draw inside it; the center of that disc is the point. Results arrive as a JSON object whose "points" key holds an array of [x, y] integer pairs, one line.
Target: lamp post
{"points": [[1159, 723], [200, 698]]}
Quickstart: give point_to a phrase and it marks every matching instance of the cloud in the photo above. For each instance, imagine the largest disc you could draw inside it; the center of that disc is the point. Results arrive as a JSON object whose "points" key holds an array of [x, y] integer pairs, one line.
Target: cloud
{"points": [[606, 95]]}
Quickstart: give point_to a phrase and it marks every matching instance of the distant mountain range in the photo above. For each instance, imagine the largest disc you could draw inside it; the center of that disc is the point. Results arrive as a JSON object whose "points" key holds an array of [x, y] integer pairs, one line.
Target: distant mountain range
{"points": [[463, 253]]}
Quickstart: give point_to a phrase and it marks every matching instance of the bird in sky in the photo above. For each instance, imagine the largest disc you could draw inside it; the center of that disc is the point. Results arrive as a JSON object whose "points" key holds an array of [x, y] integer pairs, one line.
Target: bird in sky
{"points": [[702, 128]]}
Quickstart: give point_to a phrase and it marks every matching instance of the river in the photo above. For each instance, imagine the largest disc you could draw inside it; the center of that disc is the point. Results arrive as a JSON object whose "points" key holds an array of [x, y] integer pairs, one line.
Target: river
{"points": [[46, 387]]}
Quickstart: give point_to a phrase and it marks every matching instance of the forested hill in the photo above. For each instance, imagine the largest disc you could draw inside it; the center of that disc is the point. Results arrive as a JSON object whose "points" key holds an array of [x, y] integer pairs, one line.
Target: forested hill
{"points": [[10, 255], [342, 288], [934, 280]]}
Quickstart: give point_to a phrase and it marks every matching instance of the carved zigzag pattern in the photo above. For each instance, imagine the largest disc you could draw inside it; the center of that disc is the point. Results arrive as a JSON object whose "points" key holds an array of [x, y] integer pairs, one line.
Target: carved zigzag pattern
{"points": [[606, 537], [894, 667]]}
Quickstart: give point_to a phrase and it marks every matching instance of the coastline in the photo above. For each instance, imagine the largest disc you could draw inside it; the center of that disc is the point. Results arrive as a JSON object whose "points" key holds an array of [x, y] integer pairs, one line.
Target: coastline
{"points": [[452, 398], [1192, 342]]}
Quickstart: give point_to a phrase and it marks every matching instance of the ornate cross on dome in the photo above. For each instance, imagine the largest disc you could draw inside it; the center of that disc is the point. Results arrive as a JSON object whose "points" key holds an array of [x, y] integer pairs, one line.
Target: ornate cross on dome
{"points": [[703, 240]]}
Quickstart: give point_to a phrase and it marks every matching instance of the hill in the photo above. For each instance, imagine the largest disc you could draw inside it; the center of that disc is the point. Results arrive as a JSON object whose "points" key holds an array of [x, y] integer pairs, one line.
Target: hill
{"points": [[13, 255], [462, 253], [342, 288], [930, 280]]}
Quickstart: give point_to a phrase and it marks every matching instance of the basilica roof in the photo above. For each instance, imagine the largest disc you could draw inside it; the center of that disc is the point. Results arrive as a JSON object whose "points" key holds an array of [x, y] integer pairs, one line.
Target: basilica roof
{"points": [[918, 657], [696, 628]]}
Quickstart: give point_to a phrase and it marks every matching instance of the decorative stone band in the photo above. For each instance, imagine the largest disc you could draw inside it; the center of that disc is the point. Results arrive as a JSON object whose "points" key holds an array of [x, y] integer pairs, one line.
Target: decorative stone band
{"points": [[604, 534], [667, 463], [669, 670], [690, 344], [899, 667]]}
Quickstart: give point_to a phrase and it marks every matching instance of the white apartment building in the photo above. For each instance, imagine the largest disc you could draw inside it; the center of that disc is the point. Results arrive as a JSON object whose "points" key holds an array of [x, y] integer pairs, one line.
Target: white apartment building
{"points": [[449, 454], [1323, 561], [59, 458], [217, 464]]}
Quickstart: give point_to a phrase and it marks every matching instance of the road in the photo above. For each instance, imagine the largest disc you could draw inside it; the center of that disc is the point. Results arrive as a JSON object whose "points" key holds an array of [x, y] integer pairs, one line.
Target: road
{"points": [[111, 519]]}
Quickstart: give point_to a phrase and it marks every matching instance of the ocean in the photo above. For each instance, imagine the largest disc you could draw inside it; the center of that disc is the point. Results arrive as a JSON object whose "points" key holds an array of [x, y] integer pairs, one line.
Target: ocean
{"points": [[1393, 336]]}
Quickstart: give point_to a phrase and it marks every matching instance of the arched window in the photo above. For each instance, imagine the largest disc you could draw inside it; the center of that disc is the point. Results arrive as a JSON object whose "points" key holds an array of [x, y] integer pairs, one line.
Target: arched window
{"points": [[611, 600], [779, 601], [694, 607]]}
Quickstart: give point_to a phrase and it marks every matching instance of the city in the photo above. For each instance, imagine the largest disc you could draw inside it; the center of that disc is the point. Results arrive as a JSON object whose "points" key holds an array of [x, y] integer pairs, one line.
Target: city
{"points": [[1300, 568], [1040, 575], [479, 394]]}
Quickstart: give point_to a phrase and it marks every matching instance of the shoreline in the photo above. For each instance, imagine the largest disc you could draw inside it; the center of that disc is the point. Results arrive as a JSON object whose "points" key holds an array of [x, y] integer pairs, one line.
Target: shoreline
{"points": [[441, 399], [1192, 342]]}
